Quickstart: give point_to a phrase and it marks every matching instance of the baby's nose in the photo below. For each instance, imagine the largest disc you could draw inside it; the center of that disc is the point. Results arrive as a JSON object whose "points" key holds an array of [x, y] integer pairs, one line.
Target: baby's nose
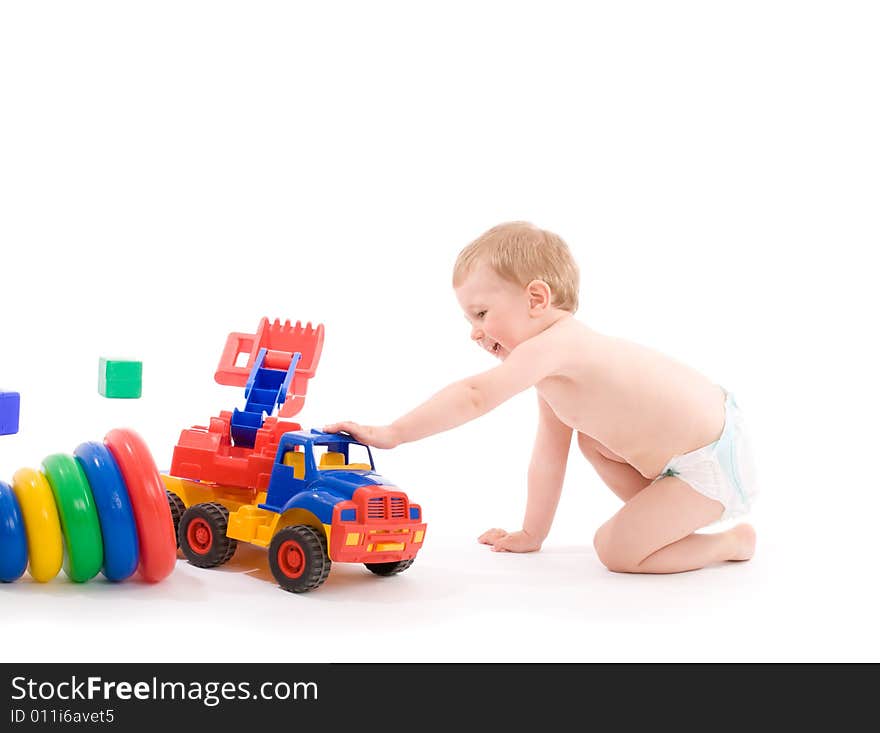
{"points": [[477, 334]]}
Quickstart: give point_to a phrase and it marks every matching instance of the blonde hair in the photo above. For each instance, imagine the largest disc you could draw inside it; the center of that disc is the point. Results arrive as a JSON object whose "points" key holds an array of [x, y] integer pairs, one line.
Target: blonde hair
{"points": [[521, 252]]}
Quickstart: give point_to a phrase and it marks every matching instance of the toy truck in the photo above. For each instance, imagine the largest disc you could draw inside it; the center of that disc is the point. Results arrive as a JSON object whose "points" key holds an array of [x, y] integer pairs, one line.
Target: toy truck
{"points": [[311, 498]]}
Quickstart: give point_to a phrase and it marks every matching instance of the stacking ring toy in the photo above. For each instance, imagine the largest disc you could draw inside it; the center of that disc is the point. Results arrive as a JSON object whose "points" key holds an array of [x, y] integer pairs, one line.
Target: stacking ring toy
{"points": [[41, 523], [79, 518], [13, 540], [114, 510], [103, 509], [158, 547]]}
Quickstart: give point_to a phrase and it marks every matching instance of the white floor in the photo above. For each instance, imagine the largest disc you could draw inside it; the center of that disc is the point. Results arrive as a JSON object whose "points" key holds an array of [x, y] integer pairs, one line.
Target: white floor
{"points": [[459, 602]]}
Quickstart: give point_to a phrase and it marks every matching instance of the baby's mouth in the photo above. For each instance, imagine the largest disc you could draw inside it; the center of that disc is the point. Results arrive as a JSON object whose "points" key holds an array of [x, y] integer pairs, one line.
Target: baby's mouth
{"points": [[493, 347]]}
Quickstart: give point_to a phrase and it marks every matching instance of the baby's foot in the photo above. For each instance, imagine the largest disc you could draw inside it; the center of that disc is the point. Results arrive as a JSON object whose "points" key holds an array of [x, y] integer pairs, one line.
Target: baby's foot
{"points": [[744, 537]]}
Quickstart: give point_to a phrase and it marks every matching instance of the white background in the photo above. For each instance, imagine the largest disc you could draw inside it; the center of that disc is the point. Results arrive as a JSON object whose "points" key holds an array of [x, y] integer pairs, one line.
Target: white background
{"points": [[173, 171]]}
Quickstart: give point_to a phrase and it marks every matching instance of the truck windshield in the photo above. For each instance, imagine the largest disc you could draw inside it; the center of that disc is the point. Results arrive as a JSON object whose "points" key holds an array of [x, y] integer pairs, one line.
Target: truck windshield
{"points": [[333, 458]]}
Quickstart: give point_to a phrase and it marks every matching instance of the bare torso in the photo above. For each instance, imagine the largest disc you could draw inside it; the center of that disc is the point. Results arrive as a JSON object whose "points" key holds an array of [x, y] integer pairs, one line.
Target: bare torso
{"points": [[642, 406]]}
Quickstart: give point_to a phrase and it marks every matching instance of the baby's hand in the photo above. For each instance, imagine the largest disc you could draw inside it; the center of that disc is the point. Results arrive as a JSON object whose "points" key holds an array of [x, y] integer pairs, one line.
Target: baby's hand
{"points": [[378, 437], [502, 541]]}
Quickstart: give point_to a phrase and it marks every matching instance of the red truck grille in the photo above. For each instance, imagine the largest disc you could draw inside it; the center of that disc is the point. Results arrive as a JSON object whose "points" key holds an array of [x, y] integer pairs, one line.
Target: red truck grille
{"points": [[386, 507], [376, 508], [398, 507]]}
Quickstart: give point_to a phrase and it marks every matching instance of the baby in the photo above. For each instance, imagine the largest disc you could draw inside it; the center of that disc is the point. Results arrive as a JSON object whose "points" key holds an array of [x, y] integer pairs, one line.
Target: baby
{"points": [[665, 439]]}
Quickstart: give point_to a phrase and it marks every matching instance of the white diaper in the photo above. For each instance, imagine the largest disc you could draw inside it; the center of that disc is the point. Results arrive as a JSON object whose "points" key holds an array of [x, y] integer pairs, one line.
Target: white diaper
{"points": [[723, 470]]}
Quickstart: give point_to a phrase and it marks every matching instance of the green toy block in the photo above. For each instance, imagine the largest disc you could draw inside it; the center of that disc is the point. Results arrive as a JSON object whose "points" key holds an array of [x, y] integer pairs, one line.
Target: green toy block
{"points": [[119, 379]]}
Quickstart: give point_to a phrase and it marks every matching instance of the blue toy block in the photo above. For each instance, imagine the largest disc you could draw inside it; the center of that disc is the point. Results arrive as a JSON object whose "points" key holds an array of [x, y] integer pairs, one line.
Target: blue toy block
{"points": [[10, 407]]}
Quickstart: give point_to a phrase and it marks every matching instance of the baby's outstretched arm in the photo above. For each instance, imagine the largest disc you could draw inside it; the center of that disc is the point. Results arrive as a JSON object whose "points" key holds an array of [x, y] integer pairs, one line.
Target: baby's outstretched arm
{"points": [[546, 475], [462, 401]]}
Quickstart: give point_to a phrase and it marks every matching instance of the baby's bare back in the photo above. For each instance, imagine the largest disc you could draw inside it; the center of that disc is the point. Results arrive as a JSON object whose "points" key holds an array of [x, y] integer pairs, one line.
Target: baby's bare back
{"points": [[641, 405]]}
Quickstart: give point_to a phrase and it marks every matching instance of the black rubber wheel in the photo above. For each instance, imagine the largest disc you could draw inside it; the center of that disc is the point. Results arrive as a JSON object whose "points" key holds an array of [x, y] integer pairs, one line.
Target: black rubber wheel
{"points": [[202, 535], [177, 507], [298, 558], [389, 568]]}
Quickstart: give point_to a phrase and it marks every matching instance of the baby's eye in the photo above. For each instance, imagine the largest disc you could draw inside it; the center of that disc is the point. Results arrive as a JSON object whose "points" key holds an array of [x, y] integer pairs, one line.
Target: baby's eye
{"points": [[481, 314]]}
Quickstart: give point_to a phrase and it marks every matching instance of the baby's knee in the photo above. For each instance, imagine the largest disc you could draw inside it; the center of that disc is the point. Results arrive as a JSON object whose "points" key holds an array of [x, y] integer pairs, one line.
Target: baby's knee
{"points": [[612, 553]]}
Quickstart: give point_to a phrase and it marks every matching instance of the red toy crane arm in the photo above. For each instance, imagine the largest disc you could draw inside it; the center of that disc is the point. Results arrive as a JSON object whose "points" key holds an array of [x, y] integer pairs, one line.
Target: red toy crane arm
{"points": [[281, 342]]}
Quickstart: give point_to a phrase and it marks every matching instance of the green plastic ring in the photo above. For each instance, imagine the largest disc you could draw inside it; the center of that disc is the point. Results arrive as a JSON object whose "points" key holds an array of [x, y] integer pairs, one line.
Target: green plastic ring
{"points": [[79, 517]]}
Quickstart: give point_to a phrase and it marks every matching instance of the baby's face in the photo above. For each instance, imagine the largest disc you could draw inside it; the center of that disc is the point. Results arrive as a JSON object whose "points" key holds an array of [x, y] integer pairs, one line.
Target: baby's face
{"points": [[497, 310]]}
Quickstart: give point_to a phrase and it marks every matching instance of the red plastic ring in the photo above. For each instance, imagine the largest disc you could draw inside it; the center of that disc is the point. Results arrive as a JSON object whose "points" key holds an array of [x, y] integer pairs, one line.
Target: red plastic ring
{"points": [[158, 547], [291, 559]]}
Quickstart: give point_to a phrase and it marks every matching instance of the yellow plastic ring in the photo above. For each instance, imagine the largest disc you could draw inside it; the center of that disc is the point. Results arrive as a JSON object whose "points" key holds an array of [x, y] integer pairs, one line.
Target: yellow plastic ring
{"points": [[41, 523]]}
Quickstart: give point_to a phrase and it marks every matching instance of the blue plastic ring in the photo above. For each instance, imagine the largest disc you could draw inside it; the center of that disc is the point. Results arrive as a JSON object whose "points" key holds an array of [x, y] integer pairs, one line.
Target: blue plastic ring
{"points": [[114, 510], [13, 540]]}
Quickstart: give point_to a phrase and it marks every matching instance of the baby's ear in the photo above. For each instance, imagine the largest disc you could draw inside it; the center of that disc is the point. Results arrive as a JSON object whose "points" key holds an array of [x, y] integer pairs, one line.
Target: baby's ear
{"points": [[540, 296]]}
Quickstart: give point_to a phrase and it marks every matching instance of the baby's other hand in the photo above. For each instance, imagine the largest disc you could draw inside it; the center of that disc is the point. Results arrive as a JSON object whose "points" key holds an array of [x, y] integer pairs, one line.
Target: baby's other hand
{"points": [[502, 541], [376, 436], [490, 535]]}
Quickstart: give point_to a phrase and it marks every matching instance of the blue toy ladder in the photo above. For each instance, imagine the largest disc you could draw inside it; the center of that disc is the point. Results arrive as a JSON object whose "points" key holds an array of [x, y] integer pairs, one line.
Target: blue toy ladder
{"points": [[265, 390]]}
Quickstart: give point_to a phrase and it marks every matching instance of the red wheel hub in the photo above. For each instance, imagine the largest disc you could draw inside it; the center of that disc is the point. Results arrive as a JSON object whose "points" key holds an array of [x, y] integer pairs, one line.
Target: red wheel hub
{"points": [[199, 536], [291, 559]]}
